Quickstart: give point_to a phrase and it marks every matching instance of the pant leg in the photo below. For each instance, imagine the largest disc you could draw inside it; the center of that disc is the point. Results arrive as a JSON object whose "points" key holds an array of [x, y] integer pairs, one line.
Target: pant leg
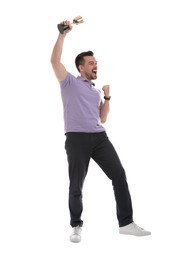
{"points": [[78, 149], [106, 157]]}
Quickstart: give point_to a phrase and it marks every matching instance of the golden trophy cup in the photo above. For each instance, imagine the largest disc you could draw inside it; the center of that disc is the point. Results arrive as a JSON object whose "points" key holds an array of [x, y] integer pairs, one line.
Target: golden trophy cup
{"points": [[77, 20]]}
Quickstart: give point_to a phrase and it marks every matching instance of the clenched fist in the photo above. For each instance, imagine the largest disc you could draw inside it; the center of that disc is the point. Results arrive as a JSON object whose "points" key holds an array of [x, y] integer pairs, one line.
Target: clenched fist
{"points": [[106, 90]]}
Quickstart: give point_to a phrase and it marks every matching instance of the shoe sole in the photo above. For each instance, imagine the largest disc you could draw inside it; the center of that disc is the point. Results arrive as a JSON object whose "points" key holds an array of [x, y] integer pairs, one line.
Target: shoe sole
{"points": [[132, 234]]}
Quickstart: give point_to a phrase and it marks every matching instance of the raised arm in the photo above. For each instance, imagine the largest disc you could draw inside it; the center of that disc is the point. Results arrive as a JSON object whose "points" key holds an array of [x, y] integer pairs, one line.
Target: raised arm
{"points": [[58, 67]]}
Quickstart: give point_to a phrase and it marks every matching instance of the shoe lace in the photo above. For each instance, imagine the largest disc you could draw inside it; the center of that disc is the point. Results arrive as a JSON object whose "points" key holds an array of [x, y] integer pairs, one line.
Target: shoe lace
{"points": [[137, 227], [76, 230]]}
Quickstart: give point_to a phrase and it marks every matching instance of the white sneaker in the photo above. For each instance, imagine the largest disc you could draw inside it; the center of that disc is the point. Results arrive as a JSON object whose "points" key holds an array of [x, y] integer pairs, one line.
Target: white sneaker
{"points": [[134, 230], [76, 234]]}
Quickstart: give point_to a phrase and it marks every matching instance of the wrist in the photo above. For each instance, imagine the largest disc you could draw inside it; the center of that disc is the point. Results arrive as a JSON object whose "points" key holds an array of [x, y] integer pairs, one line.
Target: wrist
{"points": [[107, 97]]}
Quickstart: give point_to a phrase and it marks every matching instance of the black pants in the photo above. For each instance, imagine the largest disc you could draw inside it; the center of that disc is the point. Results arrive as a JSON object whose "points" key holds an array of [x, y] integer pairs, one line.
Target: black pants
{"points": [[80, 148]]}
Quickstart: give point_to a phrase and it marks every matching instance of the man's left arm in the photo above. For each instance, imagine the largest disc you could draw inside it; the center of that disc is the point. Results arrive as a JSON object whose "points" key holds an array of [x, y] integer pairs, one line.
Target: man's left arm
{"points": [[105, 107]]}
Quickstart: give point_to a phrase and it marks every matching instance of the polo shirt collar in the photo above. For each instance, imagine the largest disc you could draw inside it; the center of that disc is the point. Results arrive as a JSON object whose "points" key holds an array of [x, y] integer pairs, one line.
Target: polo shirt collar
{"points": [[85, 80]]}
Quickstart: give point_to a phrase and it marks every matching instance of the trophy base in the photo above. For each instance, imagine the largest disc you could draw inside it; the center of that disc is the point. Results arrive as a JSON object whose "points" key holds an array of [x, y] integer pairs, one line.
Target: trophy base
{"points": [[62, 27]]}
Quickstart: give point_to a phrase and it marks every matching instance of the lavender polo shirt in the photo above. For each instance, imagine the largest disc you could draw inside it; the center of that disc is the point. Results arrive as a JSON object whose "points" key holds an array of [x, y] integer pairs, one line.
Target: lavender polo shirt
{"points": [[81, 103]]}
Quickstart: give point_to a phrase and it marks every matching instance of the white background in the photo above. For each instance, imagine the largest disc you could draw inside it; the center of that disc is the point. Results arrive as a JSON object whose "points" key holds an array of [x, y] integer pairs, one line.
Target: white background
{"points": [[132, 42]]}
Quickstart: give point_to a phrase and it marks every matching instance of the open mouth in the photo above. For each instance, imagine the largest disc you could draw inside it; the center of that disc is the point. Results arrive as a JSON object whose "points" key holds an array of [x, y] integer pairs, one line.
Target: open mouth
{"points": [[94, 71]]}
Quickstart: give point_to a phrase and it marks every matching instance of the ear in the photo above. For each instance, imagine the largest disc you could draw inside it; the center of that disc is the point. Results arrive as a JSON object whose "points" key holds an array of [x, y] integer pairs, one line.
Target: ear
{"points": [[80, 68]]}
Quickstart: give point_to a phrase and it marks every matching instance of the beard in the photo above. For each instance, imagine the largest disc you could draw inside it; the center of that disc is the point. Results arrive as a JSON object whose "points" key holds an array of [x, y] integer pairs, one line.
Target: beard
{"points": [[91, 76]]}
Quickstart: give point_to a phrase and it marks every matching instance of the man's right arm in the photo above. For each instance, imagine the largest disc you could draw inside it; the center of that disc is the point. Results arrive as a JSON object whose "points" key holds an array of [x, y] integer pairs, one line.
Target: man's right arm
{"points": [[58, 67]]}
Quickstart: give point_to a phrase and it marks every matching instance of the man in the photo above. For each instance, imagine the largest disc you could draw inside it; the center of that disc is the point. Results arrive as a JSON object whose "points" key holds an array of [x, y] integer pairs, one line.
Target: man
{"points": [[86, 138]]}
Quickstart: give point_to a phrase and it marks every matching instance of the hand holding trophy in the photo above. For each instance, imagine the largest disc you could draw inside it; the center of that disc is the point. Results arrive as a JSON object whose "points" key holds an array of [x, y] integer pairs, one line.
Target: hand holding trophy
{"points": [[77, 20]]}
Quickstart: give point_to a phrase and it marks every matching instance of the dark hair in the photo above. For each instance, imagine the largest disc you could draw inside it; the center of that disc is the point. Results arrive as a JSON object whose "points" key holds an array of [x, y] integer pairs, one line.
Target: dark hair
{"points": [[80, 58]]}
